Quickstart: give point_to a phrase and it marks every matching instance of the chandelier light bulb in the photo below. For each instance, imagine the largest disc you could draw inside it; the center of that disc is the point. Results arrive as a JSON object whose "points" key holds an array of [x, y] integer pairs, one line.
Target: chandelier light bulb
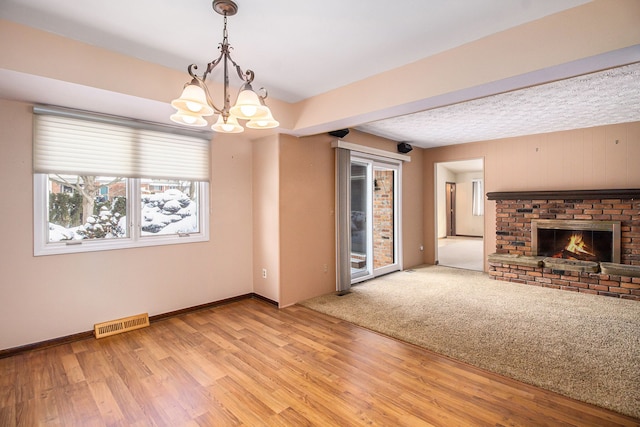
{"points": [[249, 110], [230, 126], [188, 118], [248, 105], [193, 106], [266, 122]]}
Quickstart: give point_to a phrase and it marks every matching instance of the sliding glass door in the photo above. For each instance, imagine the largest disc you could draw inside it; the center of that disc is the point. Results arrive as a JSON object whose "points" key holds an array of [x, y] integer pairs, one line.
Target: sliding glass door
{"points": [[374, 217]]}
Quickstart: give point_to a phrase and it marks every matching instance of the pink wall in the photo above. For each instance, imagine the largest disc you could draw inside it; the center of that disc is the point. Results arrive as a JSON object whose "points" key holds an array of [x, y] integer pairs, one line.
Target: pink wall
{"points": [[307, 215], [266, 222], [307, 222], [52, 296]]}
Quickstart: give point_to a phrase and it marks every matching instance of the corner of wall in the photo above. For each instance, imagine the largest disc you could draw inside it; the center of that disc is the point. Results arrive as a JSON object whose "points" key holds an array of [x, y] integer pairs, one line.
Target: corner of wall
{"points": [[266, 213]]}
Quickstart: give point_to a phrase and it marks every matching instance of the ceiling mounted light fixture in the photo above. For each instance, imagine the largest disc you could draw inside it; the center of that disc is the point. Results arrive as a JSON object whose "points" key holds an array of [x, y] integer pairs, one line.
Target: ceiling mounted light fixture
{"points": [[195, 101]]}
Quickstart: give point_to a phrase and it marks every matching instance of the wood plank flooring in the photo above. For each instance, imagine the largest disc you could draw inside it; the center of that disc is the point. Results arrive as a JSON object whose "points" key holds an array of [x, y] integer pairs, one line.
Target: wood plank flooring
{"points": [[248, 363]]}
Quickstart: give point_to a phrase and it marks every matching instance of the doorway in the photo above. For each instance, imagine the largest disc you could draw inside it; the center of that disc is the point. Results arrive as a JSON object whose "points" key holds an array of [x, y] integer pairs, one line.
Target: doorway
{"points": [[460, 214]]}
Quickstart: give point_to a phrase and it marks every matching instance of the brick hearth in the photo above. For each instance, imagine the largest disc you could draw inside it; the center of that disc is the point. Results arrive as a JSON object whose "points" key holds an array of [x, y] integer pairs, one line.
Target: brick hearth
{"points": [[515, 262]]}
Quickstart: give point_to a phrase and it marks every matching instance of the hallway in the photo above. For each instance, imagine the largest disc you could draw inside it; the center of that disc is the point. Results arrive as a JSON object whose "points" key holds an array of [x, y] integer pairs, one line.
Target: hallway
{"points": [[461, 252]]}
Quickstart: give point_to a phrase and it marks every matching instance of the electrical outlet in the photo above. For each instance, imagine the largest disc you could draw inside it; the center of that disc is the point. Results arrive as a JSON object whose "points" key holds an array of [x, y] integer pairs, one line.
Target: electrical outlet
{"points": [[325, 267], [264, 273]]}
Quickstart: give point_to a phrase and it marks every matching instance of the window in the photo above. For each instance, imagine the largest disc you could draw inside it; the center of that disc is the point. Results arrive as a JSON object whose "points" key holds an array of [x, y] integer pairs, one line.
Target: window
{"points": [[107, 183], [170, 208], [478, 197]]}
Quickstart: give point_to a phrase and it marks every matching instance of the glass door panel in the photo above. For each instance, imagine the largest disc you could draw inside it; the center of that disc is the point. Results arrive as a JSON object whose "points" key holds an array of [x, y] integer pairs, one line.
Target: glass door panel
{"points": [[383, 218], [360, 236]]}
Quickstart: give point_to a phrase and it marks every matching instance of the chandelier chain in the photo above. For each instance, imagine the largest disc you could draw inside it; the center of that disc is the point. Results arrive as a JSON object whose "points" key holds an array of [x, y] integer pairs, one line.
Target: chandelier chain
{"points": [[225, 33]]}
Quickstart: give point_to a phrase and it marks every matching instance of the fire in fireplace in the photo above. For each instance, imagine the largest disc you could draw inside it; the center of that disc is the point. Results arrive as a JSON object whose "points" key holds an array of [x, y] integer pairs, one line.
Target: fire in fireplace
{"points": [[576, 240]]}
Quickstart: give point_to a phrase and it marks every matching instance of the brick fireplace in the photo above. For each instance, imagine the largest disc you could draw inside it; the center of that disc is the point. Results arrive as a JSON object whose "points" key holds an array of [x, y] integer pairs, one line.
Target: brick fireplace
{"points": [[591, 240]]}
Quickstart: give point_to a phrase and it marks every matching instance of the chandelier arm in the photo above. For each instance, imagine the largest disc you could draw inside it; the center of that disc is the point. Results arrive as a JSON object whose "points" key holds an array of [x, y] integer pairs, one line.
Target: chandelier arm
{"points": [[192, 73], [201, 80], [249, 75], [263, 97], [246, 76], [209, 99], [196, 79], [213, 64], [243, 76]]}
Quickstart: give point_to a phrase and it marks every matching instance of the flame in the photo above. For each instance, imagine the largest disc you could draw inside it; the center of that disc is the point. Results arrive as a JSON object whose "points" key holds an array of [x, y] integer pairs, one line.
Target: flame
{"points": [[577, 245]]}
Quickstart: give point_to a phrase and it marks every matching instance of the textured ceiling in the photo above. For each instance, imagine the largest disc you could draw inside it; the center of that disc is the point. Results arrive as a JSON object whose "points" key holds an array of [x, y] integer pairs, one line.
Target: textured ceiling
{"points": [[606, 97]]}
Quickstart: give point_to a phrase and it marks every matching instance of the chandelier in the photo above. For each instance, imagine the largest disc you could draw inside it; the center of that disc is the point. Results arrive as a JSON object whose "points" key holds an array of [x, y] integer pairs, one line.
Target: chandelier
{"points": [[195, 101]]}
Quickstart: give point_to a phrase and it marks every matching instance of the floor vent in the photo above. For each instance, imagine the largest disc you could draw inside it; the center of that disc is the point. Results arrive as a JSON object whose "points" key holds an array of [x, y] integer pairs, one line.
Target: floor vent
{"points": [[119, 326]]}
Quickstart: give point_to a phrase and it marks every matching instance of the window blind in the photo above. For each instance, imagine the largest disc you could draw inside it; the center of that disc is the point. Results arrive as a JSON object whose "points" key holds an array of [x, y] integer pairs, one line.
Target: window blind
{"points": [[66, 143]]}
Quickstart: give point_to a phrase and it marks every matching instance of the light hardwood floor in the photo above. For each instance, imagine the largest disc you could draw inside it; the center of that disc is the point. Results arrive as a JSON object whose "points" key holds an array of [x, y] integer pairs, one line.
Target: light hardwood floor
{"points": [[248, 363]]}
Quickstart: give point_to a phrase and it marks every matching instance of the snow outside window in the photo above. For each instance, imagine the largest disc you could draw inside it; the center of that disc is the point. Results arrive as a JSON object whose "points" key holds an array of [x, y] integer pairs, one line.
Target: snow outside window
{"points": [[79, 206]]}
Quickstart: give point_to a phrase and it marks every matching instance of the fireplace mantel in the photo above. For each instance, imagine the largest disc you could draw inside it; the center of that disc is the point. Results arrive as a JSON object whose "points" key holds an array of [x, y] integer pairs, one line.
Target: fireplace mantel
{"points": [[630, 193]]}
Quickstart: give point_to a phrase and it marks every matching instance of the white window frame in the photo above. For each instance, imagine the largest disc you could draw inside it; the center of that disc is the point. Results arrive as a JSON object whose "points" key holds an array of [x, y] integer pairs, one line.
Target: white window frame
{"points": [[42, 246]]}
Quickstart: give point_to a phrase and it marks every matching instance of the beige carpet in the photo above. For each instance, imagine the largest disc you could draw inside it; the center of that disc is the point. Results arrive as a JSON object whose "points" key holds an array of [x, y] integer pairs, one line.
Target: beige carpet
{"points": [[583, 346]]}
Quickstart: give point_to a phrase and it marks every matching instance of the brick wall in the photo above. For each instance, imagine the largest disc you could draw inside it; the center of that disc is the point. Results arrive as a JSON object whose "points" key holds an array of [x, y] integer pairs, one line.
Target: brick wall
{"points": [[383, 218], [593, 283], [513, 236]]}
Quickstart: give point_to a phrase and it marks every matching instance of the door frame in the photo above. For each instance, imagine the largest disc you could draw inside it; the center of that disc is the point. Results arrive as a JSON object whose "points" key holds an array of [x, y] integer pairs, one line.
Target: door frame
{"points": [[441, 171], [450, 207]]}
